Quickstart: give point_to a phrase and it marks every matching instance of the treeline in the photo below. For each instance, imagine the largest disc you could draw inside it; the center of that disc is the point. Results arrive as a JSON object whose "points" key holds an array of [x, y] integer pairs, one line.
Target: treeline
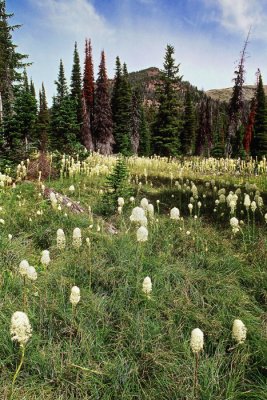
{"points": [[112, 116]]}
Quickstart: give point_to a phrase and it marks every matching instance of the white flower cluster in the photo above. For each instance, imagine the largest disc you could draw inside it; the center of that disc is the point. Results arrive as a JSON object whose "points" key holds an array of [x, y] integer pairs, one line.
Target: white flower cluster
{"points": [[75, 295], [239, 331], [61, 240], [234, 224], [45, 258], [197, 340], [147, 286], [77, 238], [28, 271], [175, 213], [20, 329]]}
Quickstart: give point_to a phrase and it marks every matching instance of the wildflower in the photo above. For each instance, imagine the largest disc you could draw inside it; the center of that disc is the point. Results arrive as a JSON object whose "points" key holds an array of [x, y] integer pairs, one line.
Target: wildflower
{"points": [[2, 221], [75, 295], [175, 213], [45, 259], [23, 267], [197, 340], [120, 201], [61, 240], [31, 273], [239, 331], [253, 206], [147, 286], [144, 203], [142, 234], [199, 204], [190, 206], [247, 201], [234, 224], [72, 189], [10, 236], [119, 210], [137, 215], [150, 210], [77, 238], [88, 242], [20, 329], [188, 233], [131, 199]]}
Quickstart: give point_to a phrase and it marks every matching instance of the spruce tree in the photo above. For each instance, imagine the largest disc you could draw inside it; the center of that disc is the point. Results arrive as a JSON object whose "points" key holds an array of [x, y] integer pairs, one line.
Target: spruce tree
{"points": [[64, 125], [76, 85], [11, 62], [259, 142], [88, 99], [135, 120], [167, 129], [23, 120], [188, 130], [145, 135], [43, 121], [121, 108], [103, 126]]}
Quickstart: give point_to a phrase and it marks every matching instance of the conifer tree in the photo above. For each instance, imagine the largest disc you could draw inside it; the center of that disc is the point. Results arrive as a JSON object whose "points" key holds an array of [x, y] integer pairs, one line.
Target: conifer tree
{"points": [[64, 125], [145, 135], [259, 142], [88, 99], [188, 130], [103, 126], [76, 85], [237, 117], [135, 120], [250, 126], [167, 129], [23, 119], [32, 89], [43, 121], [10, 63], [121, 108]]}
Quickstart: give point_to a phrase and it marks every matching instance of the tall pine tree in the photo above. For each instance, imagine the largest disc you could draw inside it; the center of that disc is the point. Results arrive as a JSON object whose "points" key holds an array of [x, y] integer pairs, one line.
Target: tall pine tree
{"points": [[259, 142], [103, 126], [76, 86], [88, 99], [188, 130], [43, 121], [167, 129]]}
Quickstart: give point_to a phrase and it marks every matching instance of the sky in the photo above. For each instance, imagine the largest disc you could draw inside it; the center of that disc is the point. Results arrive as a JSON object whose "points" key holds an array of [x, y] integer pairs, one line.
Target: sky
{"points": [[207, 35]]}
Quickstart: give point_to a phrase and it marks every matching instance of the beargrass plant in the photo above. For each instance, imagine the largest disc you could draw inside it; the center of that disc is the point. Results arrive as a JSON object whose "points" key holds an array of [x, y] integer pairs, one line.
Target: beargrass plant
{"points": [[124, 345]]}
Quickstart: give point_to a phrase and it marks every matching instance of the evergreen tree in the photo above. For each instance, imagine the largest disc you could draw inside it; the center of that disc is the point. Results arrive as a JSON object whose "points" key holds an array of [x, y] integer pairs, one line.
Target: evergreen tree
{"points": [[188, 131], [145, 135], [88, 99], [64, 125], [250, 126], [32, 89], [236, 108], [259, 142], [76, 85], [88, 78], [10, 63], [103, 126], [121, 108], [23, 120], [43, 121], [135, 120], [167, 129]]}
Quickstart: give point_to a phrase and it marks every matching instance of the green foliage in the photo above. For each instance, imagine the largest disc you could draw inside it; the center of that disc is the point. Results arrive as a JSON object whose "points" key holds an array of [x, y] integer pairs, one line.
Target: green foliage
{"points": [[259, 141], [121, 109], [76, 84], [145, 135], [167, 128], [188, 131], [116, 186]]}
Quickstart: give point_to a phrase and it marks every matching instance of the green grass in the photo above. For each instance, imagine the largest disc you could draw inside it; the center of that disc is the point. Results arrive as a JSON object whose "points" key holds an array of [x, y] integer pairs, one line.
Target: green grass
{"points": [[119, 344]]}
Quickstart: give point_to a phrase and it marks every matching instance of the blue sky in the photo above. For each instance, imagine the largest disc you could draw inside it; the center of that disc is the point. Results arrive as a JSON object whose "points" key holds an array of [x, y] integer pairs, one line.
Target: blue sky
{"points": [[207, 35]]}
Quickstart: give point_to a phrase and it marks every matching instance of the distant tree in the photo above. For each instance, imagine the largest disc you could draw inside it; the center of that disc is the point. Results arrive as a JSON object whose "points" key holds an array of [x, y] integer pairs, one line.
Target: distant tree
{"points": [[64, 125], [145, 135], [250, 126], [188, 130], [259, 142], [237, 116], [103, 126], [121, 108], [88, 99], [135, 120], [204, 130], [76, 85], [43, 121], [167, 129]]}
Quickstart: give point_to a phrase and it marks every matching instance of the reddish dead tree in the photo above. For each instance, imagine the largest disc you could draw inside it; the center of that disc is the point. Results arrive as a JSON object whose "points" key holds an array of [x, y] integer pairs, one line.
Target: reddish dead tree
{"points": [[103, 125]]}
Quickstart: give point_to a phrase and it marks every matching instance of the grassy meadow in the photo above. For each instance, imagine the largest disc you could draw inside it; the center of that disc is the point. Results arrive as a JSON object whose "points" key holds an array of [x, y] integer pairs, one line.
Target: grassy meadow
{"points": [[119, 342]]}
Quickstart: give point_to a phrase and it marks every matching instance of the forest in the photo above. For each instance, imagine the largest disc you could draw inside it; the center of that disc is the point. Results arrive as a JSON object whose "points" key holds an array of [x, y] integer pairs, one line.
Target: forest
{"points": [[112, 115]]}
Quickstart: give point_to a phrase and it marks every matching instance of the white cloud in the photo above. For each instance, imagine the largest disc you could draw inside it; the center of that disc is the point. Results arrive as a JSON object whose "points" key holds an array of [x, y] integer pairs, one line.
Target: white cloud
{"points": [[240, 15]]}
